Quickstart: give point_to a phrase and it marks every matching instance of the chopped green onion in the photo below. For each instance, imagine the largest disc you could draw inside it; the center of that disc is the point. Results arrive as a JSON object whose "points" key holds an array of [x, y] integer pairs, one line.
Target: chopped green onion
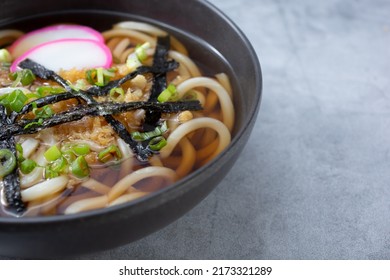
{"points": [[50, 174], [33, 95], [109, 72], [169, 94], [15, 100], [80, 85], [19, 151], [69, 155], [41, 114], [47, 90], [5, 56], [140, 51], [80, 167], [157, 143], [81, 149], [27, 166], [109, 153], [132, 62], [158, 131], [72, 86], [37, 123], [7, 162], [59, 165], [90, 75], [44, 112], [117, 94], [52, 154], [25, 77], [99, 76]]}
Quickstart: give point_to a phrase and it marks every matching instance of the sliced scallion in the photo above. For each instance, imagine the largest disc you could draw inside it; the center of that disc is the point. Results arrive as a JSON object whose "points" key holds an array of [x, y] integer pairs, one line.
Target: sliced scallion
{"points": [[81, 149], [47, 90], [5, 56], [117, 94], [112, 152], [19, 151], [59, 165], [140, 51], [80, 167], [169, 94], [7, 162], [25, 77], [157, 143], [27, 166], [52, 154], [50, 174], [158, 131], [15, 100], [99, 76]]}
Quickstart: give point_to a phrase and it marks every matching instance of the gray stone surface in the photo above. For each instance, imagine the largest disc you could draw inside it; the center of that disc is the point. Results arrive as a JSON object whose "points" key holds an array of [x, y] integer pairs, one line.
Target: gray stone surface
{"points": [[313, 181]]}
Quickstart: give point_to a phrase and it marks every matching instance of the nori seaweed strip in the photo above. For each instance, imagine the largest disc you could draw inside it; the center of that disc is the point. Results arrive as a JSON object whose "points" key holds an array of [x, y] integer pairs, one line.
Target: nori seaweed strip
{"points": [[11, 182], [159, 82], [44, 73], [98, 109]]}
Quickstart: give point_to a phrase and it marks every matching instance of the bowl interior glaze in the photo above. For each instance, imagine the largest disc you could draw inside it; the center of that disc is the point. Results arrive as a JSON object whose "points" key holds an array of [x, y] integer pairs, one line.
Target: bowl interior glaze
{"points": [[216, 44]]}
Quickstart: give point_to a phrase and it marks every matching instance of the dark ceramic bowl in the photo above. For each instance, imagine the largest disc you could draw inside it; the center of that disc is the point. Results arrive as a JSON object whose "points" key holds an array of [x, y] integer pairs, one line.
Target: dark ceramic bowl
{"points": [[201, 27]]}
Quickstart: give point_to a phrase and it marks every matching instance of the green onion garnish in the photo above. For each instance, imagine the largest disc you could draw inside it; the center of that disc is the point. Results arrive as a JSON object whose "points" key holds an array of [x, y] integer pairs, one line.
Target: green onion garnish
{"points": [[117, 94], [7, 162], [169, 94], [5, 56], [59, 165], [27, 166], [52, 154], [110, 153], [19, 151], [140, 51], [46, 90], [37, 123], [49, 173], [99, 76], [80, 167], [158, 131], [69, 155], [25, 77], [14, 101], [44, 112], [157, 143], [132, 62], [81, 149]]}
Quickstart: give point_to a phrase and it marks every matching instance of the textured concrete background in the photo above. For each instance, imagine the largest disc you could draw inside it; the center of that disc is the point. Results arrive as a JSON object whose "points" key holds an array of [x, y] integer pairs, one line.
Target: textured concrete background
{"points": [[313, 181]]}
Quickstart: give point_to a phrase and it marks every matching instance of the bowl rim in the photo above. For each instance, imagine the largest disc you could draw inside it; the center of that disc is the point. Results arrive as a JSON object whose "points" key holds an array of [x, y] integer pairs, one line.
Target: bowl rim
{"points": [[172, 191]]}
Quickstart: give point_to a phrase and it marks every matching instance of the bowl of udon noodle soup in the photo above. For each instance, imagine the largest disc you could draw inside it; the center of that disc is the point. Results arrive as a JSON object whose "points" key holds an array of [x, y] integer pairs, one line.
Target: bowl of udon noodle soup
{"points": [[116, 119]]}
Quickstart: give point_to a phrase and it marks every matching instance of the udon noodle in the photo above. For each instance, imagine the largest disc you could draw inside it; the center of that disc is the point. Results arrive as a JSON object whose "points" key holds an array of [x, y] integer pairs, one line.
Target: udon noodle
{"points": [[84, 164]]}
